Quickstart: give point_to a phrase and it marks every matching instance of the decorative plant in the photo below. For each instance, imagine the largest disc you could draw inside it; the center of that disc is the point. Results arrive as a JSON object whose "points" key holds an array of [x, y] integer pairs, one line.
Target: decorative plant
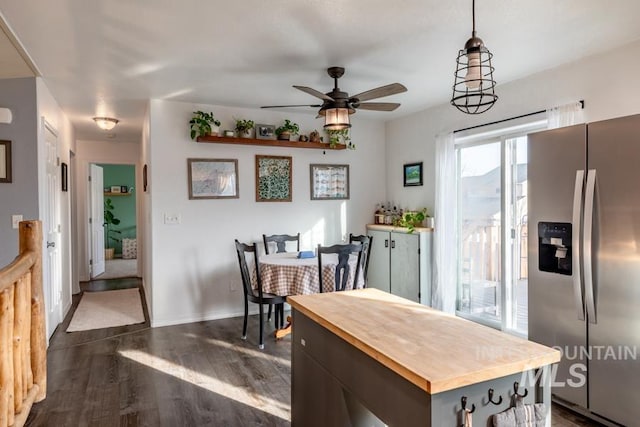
{"points": [[411, 219], [340, 137], [109, 221], [201, 123], [292, 128], [244, 125]]}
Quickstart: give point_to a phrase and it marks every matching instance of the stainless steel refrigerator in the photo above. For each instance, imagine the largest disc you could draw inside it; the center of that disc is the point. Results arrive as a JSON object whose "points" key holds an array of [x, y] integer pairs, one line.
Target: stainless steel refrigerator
{"points": [[584, 262]]}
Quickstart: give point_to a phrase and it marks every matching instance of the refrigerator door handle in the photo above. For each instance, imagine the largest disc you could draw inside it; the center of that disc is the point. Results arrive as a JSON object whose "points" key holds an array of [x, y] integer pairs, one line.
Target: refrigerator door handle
{"points": [[575, 243], [588, 226]]}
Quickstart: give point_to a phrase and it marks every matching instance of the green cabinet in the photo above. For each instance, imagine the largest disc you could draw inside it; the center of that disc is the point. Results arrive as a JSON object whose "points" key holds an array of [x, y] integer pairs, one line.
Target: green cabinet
{"points": [[400, 262]]}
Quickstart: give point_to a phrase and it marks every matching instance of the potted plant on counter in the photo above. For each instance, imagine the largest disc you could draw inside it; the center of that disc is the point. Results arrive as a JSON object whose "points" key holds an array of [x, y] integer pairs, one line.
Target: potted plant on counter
{"points": [[109, 221], [244, 128], [287, 130], [203, 124], [412, 219]]}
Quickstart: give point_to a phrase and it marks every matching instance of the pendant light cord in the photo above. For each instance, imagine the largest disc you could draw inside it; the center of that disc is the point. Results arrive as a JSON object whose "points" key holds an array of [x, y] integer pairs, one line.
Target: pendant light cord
{"points": [[473, 14]]}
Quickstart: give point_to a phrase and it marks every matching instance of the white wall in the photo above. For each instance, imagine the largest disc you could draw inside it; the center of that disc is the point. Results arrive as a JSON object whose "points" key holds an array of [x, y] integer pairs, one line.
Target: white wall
{"points": [[88, 152], [194, 263], [49, 109], [606, 82]]}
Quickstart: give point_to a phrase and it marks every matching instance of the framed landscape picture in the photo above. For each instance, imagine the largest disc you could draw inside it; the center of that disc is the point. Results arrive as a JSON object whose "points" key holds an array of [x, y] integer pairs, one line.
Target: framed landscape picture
{"points": [[213, 178], [412, 174], [273, 178], [329, 182]]}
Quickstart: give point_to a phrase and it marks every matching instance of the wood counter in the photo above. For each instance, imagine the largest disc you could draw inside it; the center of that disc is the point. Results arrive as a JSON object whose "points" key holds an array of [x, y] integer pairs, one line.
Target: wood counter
{"points": [[391, 337]]}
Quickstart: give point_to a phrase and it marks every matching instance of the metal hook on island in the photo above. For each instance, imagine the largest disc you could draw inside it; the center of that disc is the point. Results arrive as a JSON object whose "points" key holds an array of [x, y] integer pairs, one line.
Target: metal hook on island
{"points": [[463, 402], [491, 398], [516, 386]]}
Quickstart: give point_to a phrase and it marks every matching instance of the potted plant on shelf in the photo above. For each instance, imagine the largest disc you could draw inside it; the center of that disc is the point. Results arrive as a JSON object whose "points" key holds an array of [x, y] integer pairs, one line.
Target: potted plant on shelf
{"points": [[245, 128], [340, 137], [287, 130], [203, 124], [109, 221]]}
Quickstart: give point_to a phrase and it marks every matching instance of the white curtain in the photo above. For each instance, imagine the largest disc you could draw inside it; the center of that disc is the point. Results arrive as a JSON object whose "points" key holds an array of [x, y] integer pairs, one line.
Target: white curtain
{"points": [[565, 115], [443, 288]]}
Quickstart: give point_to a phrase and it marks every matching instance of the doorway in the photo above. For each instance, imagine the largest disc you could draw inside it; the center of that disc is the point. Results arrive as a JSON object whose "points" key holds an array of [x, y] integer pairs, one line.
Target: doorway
{"points": [[114, 237]]}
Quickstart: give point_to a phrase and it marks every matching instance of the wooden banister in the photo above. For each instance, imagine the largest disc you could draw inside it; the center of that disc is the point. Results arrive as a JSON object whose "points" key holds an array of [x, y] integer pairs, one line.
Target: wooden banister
{"points": [[23, 347]]}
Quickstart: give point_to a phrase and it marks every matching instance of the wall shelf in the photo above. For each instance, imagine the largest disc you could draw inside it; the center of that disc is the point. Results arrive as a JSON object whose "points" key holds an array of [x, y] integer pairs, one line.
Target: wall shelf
{"points": [[268, 142], [117, 194]]}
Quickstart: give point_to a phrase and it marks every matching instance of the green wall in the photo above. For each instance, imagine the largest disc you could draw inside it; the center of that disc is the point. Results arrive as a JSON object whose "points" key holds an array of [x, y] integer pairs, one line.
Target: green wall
{"points": [[125, 206]]}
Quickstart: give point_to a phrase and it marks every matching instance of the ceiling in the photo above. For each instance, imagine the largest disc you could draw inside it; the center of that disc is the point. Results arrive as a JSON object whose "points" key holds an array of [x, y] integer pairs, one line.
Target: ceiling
{"points": [[108, 58]]}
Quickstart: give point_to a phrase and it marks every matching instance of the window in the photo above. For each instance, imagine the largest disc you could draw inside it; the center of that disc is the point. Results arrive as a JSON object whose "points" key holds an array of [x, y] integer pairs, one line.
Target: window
{"points": [[491, 210]]}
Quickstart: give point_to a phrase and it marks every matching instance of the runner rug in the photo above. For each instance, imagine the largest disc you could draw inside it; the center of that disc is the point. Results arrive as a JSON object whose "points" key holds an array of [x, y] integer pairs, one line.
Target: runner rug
{"points": [[107, 309]]}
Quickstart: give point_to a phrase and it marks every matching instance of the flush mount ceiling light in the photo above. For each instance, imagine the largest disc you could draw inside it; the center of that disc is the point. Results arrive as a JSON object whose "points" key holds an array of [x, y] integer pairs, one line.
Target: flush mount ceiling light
{"points": [[106, 123], [473, 89]]}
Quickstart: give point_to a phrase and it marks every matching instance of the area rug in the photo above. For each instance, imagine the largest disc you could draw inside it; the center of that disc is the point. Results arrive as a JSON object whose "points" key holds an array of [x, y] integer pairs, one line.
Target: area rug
{"points": [[117, 268], [107, 309]]}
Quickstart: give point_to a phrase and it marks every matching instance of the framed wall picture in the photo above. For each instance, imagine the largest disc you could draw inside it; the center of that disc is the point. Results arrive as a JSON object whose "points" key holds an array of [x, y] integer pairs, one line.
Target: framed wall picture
{"points": [[64, 177], [329, 182], [213, 178], [5, 161], [412, 174], [273, 178], [265, 132]]}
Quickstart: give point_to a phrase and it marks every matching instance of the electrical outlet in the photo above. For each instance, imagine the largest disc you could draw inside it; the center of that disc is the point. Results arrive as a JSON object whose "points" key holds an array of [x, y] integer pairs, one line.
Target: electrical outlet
{"points": [[172, 219], [15, 220]]}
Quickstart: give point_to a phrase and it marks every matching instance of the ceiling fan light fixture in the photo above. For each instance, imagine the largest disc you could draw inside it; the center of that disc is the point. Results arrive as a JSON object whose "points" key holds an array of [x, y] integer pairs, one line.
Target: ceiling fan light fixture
{"points": [[336, 118], [474, 86], [106, 123]]}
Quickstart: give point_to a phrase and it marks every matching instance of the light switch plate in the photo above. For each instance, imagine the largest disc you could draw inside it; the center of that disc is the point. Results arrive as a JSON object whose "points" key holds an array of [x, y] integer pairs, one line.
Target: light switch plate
{"points": [[15, 221], [172, 219]]}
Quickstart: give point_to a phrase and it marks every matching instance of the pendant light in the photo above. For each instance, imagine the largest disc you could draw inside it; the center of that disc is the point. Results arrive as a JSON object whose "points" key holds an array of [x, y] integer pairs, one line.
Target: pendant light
{"points": [[473, 89]]}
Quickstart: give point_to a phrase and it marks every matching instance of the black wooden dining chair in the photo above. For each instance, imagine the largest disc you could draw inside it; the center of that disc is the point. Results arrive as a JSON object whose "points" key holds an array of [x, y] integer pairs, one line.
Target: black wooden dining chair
{"points": [[342, 268], [281, 242], [256, 296], [366, 242], [281, 245]]}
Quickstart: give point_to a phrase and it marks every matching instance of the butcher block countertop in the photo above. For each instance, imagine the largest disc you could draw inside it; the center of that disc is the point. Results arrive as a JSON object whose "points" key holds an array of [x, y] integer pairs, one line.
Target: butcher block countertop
{"points": [[433, 350]]}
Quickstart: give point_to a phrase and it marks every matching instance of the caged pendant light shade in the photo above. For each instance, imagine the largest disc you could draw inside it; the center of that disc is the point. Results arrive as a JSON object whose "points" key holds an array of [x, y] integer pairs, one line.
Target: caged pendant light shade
{"points": [[474, 86]]}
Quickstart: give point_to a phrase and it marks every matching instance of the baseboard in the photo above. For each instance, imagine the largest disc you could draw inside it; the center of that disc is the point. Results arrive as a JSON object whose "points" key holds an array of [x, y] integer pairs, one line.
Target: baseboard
{"points": [[201, 318]]}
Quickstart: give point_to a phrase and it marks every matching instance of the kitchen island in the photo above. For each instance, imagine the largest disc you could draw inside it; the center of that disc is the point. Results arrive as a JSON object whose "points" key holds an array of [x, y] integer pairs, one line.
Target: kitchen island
{"points": [[370, 358]]}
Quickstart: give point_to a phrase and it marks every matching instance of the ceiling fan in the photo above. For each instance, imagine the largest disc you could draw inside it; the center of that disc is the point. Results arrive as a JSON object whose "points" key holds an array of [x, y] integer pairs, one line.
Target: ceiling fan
{"points": [[337, 105]]}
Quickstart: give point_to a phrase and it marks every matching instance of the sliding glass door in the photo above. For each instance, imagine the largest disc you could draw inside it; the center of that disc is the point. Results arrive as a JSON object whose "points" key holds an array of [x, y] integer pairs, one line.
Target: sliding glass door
{"points": [[492, 231]]}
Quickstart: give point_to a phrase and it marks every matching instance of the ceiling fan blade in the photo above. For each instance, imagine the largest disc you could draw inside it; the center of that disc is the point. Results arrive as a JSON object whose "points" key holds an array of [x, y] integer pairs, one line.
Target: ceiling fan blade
{"points": [[378, 106], [285, 106], [380, 92], [314, 92]]}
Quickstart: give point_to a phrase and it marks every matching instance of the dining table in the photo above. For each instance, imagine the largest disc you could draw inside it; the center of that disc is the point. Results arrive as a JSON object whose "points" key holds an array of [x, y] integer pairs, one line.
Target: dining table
{"points": [[285, 274]]}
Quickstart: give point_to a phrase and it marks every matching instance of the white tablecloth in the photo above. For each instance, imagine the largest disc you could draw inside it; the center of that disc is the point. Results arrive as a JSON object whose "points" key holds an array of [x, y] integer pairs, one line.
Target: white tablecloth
{"points": [[286, 274]]}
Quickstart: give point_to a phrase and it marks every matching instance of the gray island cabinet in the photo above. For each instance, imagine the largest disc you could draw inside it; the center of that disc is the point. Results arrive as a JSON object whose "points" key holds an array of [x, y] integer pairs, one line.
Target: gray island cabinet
{"points": [[369, 358]]}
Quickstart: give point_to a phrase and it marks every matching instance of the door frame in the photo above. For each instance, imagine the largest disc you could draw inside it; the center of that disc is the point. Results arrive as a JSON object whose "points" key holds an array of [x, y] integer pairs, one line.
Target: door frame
{"points": [[87, 240]]}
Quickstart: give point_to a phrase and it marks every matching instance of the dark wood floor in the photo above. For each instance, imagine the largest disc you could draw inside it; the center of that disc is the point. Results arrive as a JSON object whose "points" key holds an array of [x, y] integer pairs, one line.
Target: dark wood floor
{"points": [[197, 374]]}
